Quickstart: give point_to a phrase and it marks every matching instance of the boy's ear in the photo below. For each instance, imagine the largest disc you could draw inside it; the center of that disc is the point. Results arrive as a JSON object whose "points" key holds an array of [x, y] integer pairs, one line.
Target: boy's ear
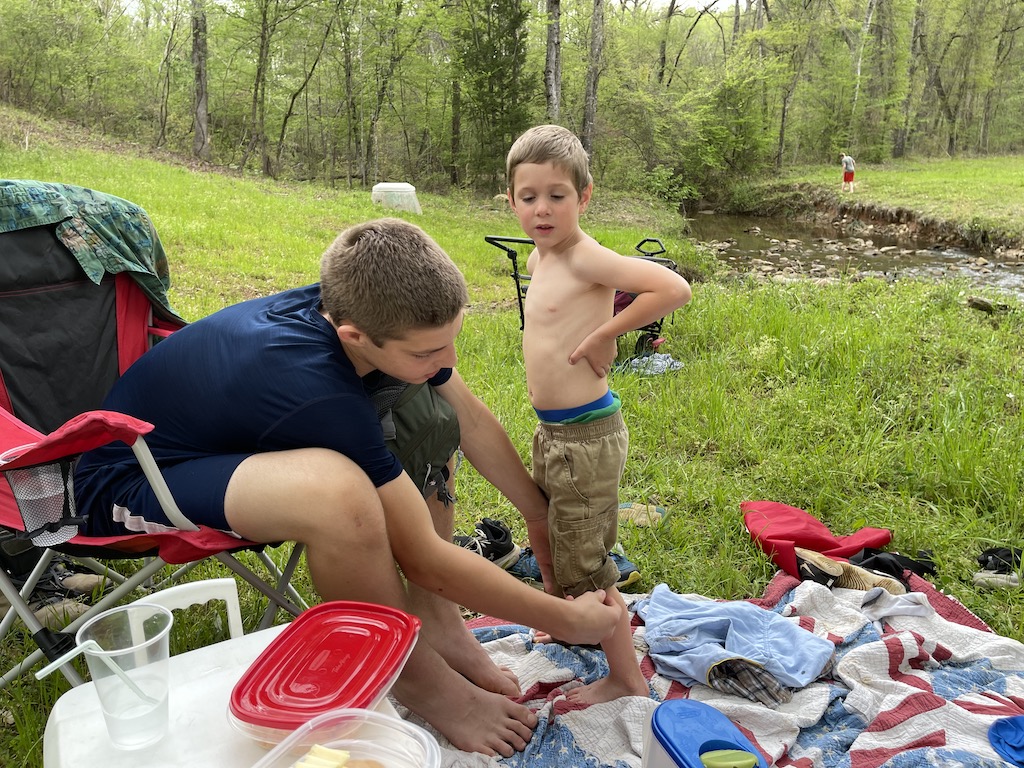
{"points": [[585, 196], [350, 334], [511, 200]]}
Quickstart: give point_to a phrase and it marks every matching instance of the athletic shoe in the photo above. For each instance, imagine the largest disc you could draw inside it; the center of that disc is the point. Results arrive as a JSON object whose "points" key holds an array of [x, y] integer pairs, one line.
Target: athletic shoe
{"points": [[822, 569], [816, 567], [526, 569], [492, 540], [77, 583], [55, 612], [995, 579], [628, 573]]}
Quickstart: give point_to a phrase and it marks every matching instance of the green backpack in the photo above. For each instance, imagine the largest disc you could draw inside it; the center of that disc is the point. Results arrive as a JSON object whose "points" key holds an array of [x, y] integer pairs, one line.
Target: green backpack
{"points": [[420, 428]]}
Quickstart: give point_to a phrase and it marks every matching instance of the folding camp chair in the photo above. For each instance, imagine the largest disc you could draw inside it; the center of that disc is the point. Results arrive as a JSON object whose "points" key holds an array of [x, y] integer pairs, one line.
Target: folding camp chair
{"points": [[83, 281], [650, 248]]}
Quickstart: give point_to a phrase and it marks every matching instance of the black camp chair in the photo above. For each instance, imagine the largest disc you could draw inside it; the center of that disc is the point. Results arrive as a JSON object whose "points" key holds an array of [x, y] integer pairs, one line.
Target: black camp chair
{"points": [[82, 295]]}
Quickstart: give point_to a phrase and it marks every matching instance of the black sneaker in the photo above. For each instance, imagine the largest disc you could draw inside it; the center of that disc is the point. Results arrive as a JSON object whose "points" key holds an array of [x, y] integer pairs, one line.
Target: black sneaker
{"points": [[492, 540]]}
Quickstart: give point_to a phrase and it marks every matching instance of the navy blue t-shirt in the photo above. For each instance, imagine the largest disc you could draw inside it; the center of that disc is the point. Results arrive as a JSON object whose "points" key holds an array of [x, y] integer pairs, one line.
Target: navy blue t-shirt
{"points": [[264, 375]]}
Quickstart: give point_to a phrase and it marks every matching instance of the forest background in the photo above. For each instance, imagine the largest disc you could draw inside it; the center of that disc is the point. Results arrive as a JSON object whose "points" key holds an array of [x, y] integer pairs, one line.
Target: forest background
{"points": [[672, 98]]}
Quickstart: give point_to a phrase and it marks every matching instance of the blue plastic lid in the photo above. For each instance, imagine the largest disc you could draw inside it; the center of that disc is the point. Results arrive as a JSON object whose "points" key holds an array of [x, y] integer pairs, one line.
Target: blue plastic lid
{"points": [[689, 729]]}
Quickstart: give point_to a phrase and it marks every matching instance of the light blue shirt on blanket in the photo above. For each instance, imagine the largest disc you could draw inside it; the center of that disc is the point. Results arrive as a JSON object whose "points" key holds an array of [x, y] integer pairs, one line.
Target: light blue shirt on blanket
{"points": [[687, 638]]}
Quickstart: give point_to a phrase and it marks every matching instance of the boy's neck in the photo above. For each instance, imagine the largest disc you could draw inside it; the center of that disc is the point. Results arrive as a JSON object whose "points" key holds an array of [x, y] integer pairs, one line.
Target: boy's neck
{"points": [[564, 245]]}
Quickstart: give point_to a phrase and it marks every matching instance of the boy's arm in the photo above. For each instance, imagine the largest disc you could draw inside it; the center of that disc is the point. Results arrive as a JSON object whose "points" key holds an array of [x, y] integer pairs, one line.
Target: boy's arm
{"points": [[464, 577], [488, 448], [658, 290]]}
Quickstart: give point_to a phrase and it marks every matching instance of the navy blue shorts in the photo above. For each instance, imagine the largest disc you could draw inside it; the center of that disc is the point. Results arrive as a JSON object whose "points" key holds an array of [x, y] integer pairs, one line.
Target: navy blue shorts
{"points": [[197, 485]]}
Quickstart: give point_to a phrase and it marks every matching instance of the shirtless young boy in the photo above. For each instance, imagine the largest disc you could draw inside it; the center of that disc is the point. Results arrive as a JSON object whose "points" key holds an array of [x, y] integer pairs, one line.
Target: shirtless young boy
{"points": [[580, 445]]}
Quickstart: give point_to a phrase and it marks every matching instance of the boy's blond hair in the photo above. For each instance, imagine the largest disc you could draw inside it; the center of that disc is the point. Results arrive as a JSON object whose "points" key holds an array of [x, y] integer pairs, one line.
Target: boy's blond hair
{"points": [[388, 277], [550, 144]]}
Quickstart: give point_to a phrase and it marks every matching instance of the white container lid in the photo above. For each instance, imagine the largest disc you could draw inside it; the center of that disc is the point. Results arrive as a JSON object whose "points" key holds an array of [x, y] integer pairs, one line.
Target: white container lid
{"points": [[396, 194]]}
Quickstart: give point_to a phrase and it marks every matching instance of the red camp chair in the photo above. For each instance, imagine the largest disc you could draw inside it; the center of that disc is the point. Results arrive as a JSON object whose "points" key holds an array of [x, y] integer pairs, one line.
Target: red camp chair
{"points": [[82, 296]]}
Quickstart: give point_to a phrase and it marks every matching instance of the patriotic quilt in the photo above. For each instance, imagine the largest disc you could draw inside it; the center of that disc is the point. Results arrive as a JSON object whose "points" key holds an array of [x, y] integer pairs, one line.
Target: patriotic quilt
{"points": [[919, 688]]}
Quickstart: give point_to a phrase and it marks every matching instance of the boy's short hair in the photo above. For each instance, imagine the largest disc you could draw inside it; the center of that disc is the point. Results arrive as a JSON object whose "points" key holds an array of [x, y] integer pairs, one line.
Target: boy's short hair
{"points": [[550, 144], [388, 277]]}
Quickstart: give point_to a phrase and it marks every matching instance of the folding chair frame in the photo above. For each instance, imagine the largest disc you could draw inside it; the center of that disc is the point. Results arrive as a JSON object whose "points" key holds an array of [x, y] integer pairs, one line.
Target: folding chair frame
{"points": [[52, 644]]}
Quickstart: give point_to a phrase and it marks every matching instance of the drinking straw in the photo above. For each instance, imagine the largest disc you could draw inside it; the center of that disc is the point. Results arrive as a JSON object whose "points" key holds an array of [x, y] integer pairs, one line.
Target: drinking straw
{"points": [[92, 645]]}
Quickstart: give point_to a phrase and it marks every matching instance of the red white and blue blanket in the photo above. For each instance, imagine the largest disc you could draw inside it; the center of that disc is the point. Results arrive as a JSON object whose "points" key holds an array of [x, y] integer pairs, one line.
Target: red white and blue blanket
{"points": [[906, 690]]}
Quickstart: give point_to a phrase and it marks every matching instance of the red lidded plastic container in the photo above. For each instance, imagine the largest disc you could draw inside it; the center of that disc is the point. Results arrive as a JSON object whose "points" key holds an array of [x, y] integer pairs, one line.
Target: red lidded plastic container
{"points": [[340, 654]]}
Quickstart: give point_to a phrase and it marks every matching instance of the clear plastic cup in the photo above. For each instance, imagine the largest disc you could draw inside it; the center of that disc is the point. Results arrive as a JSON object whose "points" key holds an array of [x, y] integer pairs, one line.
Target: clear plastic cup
{"points": [[127, 652]]}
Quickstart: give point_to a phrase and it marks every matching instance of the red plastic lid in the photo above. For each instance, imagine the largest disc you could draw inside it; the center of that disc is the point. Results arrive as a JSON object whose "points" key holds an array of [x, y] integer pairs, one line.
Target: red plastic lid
{"points": [[333, 655]]}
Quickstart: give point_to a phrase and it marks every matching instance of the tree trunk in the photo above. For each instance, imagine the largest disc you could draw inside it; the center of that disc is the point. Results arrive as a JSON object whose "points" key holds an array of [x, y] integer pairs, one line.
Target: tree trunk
{"points": [[354, 144], [865, 28], [201, 126], [899, 144], [305, 83], [663, 43], [165, 83], [553, 61], [258, 108], [593, 76], [456, 131]]}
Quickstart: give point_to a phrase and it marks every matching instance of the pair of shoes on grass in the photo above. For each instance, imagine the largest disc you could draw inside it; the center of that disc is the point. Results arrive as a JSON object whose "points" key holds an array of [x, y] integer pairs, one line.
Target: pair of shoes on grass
{"points": [[999, 568], [492, 540], [819, 568]]}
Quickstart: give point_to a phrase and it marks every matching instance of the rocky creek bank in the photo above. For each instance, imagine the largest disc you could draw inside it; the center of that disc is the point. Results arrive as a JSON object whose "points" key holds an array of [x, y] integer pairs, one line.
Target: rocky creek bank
{"points": [[809, 234]]}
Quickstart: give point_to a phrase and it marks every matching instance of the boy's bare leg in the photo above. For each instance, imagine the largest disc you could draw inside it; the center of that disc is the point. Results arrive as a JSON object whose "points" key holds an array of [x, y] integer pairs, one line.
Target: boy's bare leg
{"points": [[624, 675], [323, 500], [444, 628]]}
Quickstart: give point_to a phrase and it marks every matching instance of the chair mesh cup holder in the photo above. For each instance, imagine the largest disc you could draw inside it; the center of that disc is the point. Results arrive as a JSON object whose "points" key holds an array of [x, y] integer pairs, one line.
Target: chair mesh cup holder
{"points": [[46, 500]]}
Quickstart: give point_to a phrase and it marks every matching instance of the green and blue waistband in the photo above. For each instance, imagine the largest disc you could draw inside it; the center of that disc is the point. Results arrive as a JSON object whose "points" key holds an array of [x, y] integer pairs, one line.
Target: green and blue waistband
{"points": [[605, 405]]}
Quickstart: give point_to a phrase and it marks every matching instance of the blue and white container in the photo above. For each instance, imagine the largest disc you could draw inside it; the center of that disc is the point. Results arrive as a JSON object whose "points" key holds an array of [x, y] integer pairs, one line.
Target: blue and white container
{"points": [[690, 734]]}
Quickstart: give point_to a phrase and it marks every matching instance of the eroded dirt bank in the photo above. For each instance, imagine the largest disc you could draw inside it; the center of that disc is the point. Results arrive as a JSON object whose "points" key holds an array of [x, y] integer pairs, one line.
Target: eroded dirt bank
{"points": [[853, 217]]}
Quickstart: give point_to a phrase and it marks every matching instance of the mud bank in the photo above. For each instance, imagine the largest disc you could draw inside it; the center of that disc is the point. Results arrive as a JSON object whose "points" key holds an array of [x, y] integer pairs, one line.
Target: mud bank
{"points": [[856, 218]]}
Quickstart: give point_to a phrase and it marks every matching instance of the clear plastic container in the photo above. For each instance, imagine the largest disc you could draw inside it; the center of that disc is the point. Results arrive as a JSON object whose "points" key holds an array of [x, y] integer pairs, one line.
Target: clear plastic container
{"points": [[366, 735], [336, 655]]}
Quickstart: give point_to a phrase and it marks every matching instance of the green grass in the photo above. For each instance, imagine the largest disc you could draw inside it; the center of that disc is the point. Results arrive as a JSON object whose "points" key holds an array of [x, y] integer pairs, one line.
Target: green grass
{"points": [[984, 194], [868, 404]]}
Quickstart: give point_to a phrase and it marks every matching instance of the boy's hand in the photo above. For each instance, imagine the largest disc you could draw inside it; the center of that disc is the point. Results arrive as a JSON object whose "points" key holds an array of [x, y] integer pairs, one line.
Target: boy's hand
{"points": [[591, 617], [598, 350]]}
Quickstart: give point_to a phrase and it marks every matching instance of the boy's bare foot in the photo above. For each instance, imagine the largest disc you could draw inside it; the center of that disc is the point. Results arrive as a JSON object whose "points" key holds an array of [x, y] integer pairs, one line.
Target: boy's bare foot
{"points": [[472, 719], [605, 689]]}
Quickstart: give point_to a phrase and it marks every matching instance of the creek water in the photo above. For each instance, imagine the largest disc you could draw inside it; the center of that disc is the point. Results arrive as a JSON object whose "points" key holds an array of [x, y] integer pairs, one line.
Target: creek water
{"points": [[752, 243]]}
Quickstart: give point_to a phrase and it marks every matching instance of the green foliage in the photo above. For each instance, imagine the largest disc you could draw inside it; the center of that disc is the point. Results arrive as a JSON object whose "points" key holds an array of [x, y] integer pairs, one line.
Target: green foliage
{"points": [[427, 91], [491, 54]]}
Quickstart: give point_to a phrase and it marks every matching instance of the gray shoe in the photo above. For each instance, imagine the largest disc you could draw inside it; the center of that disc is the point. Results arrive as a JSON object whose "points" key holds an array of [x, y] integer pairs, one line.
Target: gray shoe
{"points": [[996, 580], [55, 613]]}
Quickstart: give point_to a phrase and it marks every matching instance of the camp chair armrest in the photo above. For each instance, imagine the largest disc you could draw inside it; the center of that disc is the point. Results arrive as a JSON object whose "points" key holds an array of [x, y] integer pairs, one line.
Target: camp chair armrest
{"points": [[22, 446]]}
